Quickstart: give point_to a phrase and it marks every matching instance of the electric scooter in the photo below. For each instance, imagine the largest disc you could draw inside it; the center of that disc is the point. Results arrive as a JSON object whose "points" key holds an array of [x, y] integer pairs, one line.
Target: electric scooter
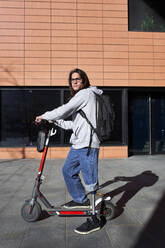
{"points": [[31, 209]]}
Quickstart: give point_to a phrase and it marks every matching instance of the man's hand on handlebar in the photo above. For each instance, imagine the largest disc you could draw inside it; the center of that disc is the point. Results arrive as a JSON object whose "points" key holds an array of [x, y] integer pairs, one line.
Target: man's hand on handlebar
{"points": [[38, 119]]}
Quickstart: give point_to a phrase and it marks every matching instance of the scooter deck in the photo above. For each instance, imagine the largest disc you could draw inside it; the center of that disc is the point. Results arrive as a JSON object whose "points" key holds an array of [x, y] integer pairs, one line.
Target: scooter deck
{"points": [[69, 209], [66, 212]]}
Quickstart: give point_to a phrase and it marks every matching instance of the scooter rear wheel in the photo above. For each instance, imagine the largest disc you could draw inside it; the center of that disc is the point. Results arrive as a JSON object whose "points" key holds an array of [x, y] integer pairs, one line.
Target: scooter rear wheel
{"points": [[31, 213], [107, 210]]}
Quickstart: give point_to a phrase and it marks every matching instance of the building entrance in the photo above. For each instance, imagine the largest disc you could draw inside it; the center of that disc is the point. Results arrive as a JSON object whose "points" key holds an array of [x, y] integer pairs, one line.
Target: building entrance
{"points": [[146, 122]]}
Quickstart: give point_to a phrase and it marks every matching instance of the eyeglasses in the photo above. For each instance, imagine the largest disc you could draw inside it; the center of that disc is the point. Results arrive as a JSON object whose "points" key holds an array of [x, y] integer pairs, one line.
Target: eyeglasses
{"points": [[75, 79]]}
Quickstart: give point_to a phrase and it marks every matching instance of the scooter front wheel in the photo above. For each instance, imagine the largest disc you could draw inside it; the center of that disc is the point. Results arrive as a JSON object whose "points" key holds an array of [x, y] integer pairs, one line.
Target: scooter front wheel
{"points": [[31, 213]]}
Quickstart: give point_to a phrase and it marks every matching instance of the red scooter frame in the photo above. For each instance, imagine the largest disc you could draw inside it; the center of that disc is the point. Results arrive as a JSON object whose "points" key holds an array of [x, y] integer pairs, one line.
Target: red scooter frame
{"points": [[31, 209]]}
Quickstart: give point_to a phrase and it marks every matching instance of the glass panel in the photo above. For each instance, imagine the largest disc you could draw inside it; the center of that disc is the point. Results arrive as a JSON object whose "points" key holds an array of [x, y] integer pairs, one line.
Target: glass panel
{"points": [[13, 116], [18, 111], [159, 125], [19, 107], [116, 99], [146, 15], [138, 124], [67, 133], [42, 100]]}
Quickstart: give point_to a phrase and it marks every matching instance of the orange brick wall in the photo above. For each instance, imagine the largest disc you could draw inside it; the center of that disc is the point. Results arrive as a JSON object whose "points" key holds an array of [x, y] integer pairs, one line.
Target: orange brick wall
{"points": [[59, 152], [42, 40]]}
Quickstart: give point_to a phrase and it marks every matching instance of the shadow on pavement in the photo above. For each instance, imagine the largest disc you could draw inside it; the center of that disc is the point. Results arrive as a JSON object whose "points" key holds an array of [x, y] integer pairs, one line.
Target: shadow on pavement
{"points": [[130, 189], [153, 235]]}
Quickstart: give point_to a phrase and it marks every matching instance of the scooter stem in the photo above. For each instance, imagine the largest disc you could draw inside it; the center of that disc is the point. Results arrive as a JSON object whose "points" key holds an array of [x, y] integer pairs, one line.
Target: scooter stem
{"points": [[93, 202]]}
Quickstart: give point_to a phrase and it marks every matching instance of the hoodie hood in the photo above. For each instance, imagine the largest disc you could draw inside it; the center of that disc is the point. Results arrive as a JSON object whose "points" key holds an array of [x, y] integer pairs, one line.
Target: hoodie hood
{"points": [[96, 90]]}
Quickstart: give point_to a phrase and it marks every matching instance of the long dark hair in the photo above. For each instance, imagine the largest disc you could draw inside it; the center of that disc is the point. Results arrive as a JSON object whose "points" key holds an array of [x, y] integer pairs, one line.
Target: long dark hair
{"points": [[84, 77]]}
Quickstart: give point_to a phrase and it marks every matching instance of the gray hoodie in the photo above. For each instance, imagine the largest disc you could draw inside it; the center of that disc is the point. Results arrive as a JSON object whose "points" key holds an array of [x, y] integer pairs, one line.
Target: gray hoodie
{"points": [[85, 99]]}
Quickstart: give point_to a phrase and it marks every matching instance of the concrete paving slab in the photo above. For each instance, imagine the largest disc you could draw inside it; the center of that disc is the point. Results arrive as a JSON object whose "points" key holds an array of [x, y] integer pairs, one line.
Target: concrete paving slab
{"points": [[138, 224]]}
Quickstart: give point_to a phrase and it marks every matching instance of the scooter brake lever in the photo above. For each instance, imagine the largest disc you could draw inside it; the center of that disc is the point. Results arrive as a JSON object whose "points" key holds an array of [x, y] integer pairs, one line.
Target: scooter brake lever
{"points": [[53, 132]]}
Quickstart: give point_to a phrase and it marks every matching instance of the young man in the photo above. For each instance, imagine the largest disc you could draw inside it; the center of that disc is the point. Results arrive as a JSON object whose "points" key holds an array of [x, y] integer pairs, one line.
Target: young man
{"points": [[80, 158]]}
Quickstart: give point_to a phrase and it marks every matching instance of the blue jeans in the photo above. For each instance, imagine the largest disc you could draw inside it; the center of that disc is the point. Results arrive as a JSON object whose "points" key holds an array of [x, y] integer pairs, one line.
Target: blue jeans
{"points": [[76, 161]]}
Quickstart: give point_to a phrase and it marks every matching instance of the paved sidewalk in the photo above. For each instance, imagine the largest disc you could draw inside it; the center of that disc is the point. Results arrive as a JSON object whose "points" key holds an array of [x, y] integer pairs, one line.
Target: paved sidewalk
{"points": [[141, 199]]}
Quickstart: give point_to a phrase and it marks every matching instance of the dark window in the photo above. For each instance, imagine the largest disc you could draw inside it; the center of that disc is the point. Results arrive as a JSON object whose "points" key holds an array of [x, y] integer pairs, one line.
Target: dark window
{"points": [[146, 15], [13, 126], [158, 123], [146, 111], [139, 135], [20, 106], [116, 99]]}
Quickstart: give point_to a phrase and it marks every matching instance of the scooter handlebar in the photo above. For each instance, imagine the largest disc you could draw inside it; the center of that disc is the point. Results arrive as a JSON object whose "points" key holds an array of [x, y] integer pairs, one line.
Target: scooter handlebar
{"points": [[44, 124]]}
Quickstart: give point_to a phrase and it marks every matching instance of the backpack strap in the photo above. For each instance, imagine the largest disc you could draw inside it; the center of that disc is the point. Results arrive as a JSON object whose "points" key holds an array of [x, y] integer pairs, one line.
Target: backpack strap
{"points": [[90, 142], [82, 113]]}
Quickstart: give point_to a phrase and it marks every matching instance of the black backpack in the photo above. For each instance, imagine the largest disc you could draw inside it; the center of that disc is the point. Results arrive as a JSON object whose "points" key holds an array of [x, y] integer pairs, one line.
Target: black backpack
{"points": [[105, 118]]}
